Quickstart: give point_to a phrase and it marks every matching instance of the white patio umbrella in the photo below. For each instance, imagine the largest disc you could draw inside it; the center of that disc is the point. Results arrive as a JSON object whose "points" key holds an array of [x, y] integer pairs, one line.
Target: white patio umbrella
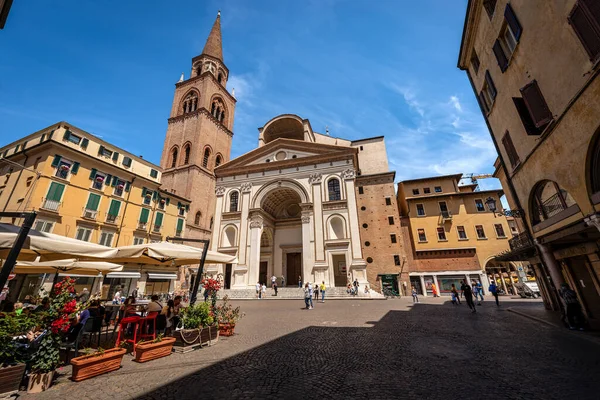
{"points": [[167, 254], [71, 266], [48, 246]]}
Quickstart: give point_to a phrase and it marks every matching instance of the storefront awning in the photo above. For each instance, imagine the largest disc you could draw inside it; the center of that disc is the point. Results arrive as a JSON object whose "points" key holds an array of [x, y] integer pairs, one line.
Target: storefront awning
{"points": [[79, 275], [154, 275], [132, 275]]}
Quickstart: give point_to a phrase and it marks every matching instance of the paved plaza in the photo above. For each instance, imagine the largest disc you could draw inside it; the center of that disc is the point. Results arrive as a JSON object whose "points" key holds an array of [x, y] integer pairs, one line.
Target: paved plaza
{"points": [[374, 349]]}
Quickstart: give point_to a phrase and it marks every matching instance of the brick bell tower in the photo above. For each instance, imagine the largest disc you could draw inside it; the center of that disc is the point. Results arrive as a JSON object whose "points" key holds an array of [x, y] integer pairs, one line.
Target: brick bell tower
{"points": [[199, 134]]}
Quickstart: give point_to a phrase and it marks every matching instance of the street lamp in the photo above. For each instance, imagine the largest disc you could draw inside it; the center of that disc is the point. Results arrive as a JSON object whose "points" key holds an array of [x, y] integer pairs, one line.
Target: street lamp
{"points": [[490, 202]]}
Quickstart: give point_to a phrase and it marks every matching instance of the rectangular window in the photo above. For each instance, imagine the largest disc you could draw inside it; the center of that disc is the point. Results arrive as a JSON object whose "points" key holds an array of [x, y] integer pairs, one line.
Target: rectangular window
{"points": [[388, 201], [479, 205], [54, 196], [63, 168], [91, 208], [393, 238], [480, 232], [84, 143], [391, 220], [475, 62], [488, 93], [420, 210], [127, 162], [104, 152], [441, 234], [153, 173], [585, 20], [119, 187], [106, 239], [438, 189], [138, 240], [415, 192], [179, 228], [536, 104], [73, 138], [396, 259], [98, 180], [158, 221], [361, 190], [511, 152], [426, 190], [43, 226], [490, 6], [113, 211], [499, 231], [462, 234], [83, 234], [421, 234]]}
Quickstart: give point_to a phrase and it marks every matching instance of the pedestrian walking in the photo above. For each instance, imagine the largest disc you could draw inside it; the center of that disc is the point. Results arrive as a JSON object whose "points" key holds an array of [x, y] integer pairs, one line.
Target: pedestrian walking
{"points": [[273, 280], [574, 314], [480, 290], [415, 295], [264, 290], [258, 289], [307, 296], [275, 288], [282, 281], [468, 295], [455, 292], [299, 281], [434, 290], [322, 287], [454, 299], [310, 295], [316, 291], [355, 284], [493, 289], [475, 292]]}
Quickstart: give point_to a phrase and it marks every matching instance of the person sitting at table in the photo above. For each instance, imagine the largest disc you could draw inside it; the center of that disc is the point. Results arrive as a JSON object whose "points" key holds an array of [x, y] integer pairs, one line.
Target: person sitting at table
{"points": [[44, 307], [130, 307], [168, 312], [154, 305]]}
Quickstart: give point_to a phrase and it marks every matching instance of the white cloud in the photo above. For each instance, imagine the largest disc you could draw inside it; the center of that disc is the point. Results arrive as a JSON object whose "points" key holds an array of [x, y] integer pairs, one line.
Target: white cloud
{"points": [[456, 103], [409, 97]]}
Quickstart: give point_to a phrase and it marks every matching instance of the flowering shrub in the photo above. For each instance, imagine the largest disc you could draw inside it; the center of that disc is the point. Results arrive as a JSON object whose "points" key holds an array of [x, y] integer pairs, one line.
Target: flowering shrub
{"points": [[211, 287], [226, 314]]}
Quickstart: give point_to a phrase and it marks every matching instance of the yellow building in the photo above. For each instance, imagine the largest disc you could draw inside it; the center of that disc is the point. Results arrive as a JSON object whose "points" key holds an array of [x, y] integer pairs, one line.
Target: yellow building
{"points": [[454, 235], [533, 66], [91, 190]]}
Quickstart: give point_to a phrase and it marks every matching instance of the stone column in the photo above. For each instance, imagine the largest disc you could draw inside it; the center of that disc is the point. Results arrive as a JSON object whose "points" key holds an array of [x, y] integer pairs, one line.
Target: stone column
{"points": [[348, 176], [503, 282], [437, 285], [214, 241], [256, 226], [307, 254], [315, 181], [244, 231], [423, 288], [554, 268]]}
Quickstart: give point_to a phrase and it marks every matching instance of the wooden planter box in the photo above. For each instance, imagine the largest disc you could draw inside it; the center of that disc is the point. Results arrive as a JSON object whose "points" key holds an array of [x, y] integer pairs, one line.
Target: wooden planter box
{"points": [[151, 351], [85, 367], [40, 382], [226, 329], [190, 339], [209, 334], [10, 379]]}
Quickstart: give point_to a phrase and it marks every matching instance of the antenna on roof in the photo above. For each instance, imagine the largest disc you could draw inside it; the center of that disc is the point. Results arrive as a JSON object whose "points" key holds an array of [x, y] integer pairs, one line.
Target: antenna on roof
{"points": [[326, 130]]}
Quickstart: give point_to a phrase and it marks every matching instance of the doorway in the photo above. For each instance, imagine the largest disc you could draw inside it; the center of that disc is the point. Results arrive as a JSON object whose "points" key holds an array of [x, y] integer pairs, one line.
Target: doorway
{"points": [[262, 273], [293, 268], [228, 276], [389, 284], [589, 297], [340, 270]]}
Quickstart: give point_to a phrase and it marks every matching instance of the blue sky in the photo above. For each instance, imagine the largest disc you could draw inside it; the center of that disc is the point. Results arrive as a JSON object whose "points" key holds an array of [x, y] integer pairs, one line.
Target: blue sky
{"points": [[361, 68]]}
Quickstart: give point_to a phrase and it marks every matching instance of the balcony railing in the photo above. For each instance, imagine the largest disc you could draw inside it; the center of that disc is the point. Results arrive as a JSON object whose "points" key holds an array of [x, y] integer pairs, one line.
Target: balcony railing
{"points": [[550, 207], [90, 214], [446, 215], [520, 242], [51, 205], [111, 219], [156, 228], [142, 225]]}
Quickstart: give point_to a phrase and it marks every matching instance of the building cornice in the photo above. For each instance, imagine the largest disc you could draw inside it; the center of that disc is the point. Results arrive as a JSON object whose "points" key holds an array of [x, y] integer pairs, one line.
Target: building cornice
{"points": [[209, 74]]}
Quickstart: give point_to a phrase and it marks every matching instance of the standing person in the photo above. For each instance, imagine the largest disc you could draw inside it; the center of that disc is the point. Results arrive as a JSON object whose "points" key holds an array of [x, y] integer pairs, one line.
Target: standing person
{"points": [[415, 295], [480, 290], [574, 314], [176, 309], [493, 289], [135, 292], [468, 295], [258, 288], [273, 280], [275, 287], [84, 296], [310, 295], [434, 290], [475, 292], [282, 281], [316, 291], [299, 281], [355, 284], [264, 290], [322, 291], [117, 297], [307, 296], [455, 292]]}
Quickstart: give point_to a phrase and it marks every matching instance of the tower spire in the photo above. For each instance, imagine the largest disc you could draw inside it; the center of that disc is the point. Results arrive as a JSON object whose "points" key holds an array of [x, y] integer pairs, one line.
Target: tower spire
{"points": [[213, 46]]}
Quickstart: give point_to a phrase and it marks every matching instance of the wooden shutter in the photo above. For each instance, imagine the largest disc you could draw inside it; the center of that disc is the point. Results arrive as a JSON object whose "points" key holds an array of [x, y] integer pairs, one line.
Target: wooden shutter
{"points": [[115, 206], [115, 156], [500, 56], [55, 192], [75, 168], [101, 150], [512, 21], [167, 200], [144, 215], [84, 143], [93, 202], [179, 225], [127, 162], [144, 191], [534, 100], [528, 123], [510, 150], [93, 173], [159, 219], [584, 20], [153, 173], [115, 179], [56, 161], [490, 82], [67, 135], [107, 180], [127, 186]]}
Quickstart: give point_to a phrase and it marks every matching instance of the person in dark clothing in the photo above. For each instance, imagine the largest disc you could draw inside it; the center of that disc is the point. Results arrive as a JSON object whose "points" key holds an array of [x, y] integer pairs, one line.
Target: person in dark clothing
{"points": [[467, 293], [44, 307], [275, 287], [493, 289], [574, 314]]}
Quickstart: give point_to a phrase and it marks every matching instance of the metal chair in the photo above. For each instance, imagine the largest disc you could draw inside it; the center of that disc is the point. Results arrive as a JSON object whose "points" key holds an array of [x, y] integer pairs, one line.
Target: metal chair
{"points": [[96, 328], [75, 343], [123, 325], [145, 325]]}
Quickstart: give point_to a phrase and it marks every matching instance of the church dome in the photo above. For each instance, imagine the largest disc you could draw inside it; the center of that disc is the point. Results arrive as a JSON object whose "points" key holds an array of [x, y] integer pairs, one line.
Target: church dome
{"points": [[285, 127]]}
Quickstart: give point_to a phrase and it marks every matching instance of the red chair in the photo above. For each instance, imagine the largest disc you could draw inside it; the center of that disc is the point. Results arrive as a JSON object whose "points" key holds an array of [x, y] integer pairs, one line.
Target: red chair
{"points": [[145, 324], [135, 321]]}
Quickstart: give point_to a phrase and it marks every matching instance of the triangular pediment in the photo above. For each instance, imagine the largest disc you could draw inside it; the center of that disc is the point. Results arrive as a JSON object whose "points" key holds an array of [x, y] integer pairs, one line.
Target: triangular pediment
{"points": [[282, 153]]}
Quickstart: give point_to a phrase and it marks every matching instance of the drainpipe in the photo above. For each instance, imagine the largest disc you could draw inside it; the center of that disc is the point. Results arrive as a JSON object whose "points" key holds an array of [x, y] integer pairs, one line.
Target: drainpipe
{"points": [[124, 211]]}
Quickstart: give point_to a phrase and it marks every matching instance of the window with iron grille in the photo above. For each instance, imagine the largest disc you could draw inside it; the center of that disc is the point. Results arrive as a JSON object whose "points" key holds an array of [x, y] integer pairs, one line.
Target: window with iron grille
{"points": [[333, 188], [233, 201]]}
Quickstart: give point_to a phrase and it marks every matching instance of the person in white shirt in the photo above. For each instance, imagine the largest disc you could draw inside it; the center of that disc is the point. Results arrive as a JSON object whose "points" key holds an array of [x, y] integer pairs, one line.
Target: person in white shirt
{"points": [[273, 280], [154, 305], [258, 289], [264, 290], [117, 297]]}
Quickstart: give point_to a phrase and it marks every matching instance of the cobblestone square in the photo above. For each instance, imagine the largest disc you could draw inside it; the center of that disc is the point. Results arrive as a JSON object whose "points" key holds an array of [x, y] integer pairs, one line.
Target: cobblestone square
{"points": [[367, 349]]}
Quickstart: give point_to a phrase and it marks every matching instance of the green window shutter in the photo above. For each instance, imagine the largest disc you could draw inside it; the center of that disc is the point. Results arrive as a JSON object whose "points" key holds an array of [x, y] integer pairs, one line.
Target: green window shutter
{"points": [[84, 143], [75, 168], [179, 225], [115, 206], [168, 200], [93, 202], [153, 173], [127, 162], [144, 191], [144, 215], [154, 195], [93, 173], [159, 219], [67, 135], [127, 186], [101, 150], [114, 180], [56, 160], [115, 156], [55, 192], [107, 180], [51, 134], [178, 205], [187, 207]]}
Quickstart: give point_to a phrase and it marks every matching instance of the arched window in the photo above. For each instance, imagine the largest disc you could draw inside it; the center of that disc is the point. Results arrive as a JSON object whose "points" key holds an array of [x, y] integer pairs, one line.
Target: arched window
{"points": [[233, 201], [549, 199], [218, 161], [197, 218], [222, 116], [228, 237], [220, 78], [333, 187], [336, 228], [217, 110], [206, 157], [186, 153], [190, 103], [174, 158]]}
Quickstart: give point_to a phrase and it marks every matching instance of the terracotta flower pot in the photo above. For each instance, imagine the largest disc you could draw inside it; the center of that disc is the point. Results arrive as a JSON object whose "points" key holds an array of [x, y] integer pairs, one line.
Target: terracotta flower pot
{"points": [[226, 329], [151, 351], [40, 382], [85, 367], [10, 379]]}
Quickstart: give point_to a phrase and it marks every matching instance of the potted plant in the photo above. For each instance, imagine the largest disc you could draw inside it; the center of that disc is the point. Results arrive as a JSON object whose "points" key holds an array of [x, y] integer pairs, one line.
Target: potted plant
{"points": [[157, 348], [12, 353], [45, 361], [211, 288], [197, 326], [96, 363], [227, 316]]}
